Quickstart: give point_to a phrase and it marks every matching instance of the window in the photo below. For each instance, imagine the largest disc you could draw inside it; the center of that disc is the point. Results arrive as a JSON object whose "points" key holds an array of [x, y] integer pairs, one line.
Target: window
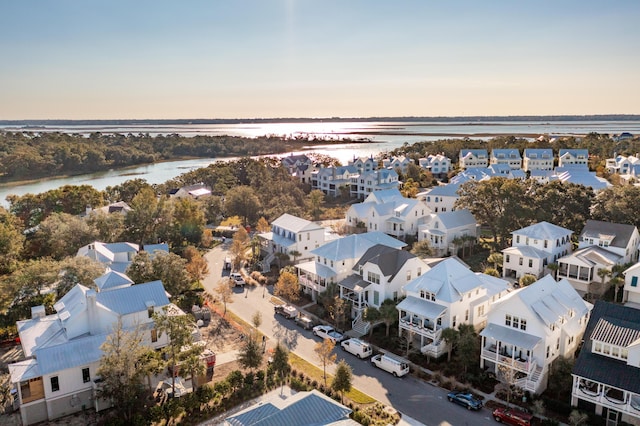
{"points": [[376, 298], [517, 239], [520, 262], [154, 335], [55, 384], [373, 278], [546, 243], [25, 389], [548, 351], [530, 263], [634, 281], [466, 315], [150, 311], [427, 295], [481, 310], [507, 320], [419, 271], [308, 236], [507, 259], [86, 376], [523, 324], [395, 295], [408, 275], [454, 321]]}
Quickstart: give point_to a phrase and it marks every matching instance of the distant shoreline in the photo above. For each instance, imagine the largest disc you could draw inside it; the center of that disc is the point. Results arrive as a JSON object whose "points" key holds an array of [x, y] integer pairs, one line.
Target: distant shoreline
{"points": [[34, 123]]}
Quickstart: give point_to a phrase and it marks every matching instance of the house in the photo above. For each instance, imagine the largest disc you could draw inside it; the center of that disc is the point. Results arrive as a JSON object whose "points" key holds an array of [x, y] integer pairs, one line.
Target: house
{"points": [[334, 260], [400, 162], [624, 136], [117, 207], [631, 294], [62, 351], [530, 328], [364, 164], [118, 256], [606, 374], [196, 191], [622, 165], [292, 236], [447, 295], [618, 238], [533, 248], [537, 159], [302, 408], [441, 198], [332, 180], [443, 230], [371, 181], [573, 157], [388, 211], [510, 157], [582, 268], [580, 175], [299, 166], [438, 164], [378, 275], [473, 158]]}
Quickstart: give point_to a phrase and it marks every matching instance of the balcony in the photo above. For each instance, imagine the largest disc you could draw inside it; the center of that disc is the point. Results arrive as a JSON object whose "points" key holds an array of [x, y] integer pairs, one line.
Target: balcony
{"points": [[436, 349], [309, 283], [607, 396], [521, 364], [426, 327]]}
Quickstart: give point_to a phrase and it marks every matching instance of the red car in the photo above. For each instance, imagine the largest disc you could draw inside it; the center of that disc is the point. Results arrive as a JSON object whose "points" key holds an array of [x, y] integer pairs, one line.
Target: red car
{"points": [[511, 416]]}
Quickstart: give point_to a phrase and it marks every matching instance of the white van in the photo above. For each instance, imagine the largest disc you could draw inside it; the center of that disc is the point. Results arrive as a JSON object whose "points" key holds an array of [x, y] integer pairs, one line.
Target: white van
{"points": [[392, 365], [357, 347]]}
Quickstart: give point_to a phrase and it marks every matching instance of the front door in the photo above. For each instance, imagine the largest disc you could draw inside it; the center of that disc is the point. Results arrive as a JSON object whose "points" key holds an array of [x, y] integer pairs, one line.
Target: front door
{"points": [[612, 416]]}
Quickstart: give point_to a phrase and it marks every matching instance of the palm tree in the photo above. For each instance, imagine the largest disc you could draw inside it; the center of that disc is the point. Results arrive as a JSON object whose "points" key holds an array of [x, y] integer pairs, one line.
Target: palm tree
{"points": [[496, 258], [553, 267], [450, 336], [603, 274], [457, 242]]}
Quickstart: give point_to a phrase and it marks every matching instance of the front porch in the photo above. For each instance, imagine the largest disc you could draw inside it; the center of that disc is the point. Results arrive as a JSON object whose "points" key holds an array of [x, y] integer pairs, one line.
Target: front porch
{"points": [[314, 278], [605, 396], [423, 318]]}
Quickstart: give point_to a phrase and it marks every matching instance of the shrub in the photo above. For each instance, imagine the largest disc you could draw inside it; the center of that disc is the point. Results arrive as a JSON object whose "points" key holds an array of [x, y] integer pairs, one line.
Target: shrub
{"points": [[297, 385]]}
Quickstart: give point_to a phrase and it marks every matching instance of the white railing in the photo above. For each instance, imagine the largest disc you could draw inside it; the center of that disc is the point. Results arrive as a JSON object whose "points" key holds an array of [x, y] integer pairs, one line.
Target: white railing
{"points": [[491, 355]]}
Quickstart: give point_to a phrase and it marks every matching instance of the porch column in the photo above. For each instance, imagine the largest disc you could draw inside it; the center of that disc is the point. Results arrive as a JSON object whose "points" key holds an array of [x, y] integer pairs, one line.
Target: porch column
{"points": [[482, 346]]}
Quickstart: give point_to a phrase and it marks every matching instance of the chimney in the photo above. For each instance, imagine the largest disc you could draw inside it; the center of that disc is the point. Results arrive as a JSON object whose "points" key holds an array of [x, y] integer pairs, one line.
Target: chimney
{"points": [[92, 312], [38, 312]]}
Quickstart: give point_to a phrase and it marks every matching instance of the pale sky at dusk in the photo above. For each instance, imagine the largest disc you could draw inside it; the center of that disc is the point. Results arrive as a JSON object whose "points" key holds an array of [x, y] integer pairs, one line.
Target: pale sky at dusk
{"points": [[300, 58]]}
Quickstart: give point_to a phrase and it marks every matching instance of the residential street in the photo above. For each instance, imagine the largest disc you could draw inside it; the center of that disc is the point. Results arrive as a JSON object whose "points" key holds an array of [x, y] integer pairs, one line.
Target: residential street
{"points": [[417, 399]]}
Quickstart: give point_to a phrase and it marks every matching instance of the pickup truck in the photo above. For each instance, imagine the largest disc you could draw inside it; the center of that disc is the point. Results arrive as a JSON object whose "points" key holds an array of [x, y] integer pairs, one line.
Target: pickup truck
{"points": [[237, 279], [327, 332]]}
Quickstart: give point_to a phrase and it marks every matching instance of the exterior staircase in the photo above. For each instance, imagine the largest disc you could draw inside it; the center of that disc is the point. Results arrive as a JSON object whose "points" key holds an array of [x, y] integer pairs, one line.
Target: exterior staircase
{"points": [[266, 262], [359, 327]]}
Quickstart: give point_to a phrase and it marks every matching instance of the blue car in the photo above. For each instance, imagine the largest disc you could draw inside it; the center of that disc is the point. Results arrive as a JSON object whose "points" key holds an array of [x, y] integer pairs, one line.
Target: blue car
{"points": [[465, 399]]}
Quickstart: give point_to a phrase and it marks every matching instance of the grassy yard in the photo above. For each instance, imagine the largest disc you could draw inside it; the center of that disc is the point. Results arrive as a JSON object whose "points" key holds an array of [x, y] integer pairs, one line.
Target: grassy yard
{"points": [[315, 373]]}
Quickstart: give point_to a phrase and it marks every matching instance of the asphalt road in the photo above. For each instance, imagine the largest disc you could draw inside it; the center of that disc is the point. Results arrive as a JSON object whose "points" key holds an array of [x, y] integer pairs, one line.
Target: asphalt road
{"points": [[420, 400]]}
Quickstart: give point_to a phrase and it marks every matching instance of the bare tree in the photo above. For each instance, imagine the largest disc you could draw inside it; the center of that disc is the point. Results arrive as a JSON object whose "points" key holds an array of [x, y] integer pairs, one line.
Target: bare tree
{"points": [[224, 291], [324, 351]]}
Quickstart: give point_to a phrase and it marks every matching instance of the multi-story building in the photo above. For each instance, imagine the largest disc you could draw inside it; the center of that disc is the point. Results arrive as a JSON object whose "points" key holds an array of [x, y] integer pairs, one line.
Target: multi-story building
{"points": [[375, 180], [438, 164], [443, 230], [293, 236], [530, 328], [573, 157], [538, 159], [473, 158], [510, 157]]}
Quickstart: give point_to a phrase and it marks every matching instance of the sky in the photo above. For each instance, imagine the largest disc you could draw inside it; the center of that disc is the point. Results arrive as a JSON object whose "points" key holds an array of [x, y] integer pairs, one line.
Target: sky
{"points": [[142, 59]]}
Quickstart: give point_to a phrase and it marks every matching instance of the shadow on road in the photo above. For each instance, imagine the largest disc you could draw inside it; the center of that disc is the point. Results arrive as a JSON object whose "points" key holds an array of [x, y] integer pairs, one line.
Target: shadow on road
{"points": [[286, 334]]}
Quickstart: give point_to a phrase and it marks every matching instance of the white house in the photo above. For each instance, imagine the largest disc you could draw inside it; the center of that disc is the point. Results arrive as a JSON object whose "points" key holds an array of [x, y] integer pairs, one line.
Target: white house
{"points": [[195, 191], [533, 248], [473, 158], [291, 234], [631, 293], [606, 373], [581, 269], [331, 180], [530, 328], [371, 181], [333, 261], [442, 229], [622, 165], [117, 256], [441, 198], [62, 350], [438, 164], [400, 162], [364, 164], [447, 295], [509, 156], [537, 159], [573, 157], [299, 166], [378, 275], [618, 238], [388, 211]]}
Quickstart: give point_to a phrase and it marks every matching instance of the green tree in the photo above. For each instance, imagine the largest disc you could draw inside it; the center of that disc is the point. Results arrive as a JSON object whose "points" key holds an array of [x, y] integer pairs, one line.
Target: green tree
{"points": [[61, 235], [563, 204], [280, 363], [422, 249], [342, 379], [450, 337], [109, 227], [242, 201], [618, 204], [169, 268], [250, 354], [120, 370], [149, 214], [527, 279], [11, 241], [188, 222], [125, 191], [178, 329], [239, 246], [388, 313], [468, 346], [603, 273], [496, 259], [196, 264], [263, 226], [372, 315], [492, 272], [315, 201], [324, 352], [287, 286]]}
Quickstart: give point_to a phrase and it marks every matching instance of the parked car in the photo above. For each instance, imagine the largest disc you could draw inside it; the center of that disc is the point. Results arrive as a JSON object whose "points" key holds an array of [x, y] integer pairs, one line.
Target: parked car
{"points": [[237, 279], [511, 416], [227, 263], [464, 399], [327, 332], [357, 347], [305, 322], [286, 311], [390, 364]]}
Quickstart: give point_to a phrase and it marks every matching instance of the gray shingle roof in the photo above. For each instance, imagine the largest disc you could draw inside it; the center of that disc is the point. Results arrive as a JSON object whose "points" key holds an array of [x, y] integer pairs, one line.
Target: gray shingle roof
{"points": [[598, 228], [388, 259]]}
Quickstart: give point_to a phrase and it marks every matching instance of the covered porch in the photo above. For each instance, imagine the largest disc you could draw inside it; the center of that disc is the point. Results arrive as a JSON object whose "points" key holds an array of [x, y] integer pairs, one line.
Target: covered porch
{"points": [[394, 226], [354, 289], [314, 277], [422, 317], [505, 346]]}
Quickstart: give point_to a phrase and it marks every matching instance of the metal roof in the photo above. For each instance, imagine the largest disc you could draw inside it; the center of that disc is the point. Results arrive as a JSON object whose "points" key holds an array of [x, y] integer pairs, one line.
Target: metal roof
{"points": [[134, 298], [74, 353], [421, 307], [511, 335], [353, 246], [543, 231], [323, 271]]}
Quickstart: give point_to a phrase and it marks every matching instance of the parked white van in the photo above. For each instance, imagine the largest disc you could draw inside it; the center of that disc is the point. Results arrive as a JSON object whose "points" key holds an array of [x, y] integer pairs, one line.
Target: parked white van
{"points": [[357, 347], [392, 365]]}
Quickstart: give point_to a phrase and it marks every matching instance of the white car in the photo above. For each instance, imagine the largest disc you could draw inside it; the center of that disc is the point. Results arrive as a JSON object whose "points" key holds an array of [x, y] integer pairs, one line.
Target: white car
{"points": [[237, 279], [327, 332]]}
